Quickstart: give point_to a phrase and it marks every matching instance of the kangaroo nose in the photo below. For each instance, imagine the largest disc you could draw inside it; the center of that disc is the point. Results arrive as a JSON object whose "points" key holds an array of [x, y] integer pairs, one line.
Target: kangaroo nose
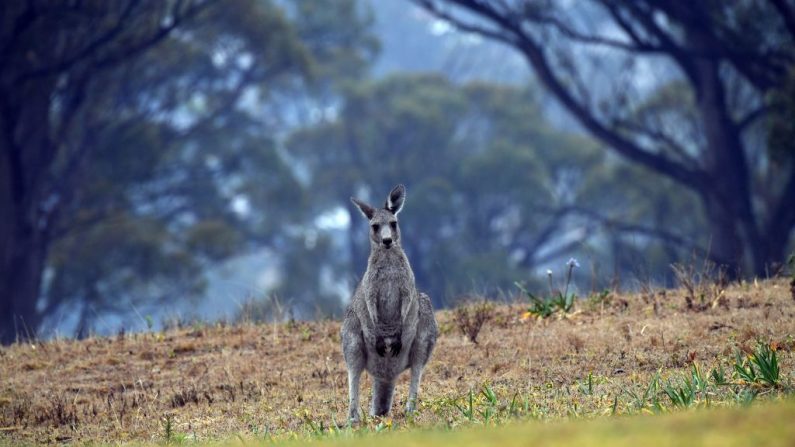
{"points": [[387, 241]]}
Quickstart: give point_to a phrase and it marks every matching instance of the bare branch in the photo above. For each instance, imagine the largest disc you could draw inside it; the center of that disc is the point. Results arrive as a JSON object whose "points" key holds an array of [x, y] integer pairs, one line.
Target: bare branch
{"points": [[517, 36], [754, 115], [659, 136], [92, 49], [89, 50], [626, 227], [787, 12]]}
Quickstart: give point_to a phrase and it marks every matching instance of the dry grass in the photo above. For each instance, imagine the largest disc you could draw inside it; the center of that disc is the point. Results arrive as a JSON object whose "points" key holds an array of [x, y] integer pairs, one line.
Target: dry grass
{"points": [[284, 380]]}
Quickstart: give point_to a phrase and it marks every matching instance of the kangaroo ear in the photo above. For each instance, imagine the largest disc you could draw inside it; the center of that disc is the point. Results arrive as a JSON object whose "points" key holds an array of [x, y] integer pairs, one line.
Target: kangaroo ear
{"points": [[394, 202], [367, 210]]}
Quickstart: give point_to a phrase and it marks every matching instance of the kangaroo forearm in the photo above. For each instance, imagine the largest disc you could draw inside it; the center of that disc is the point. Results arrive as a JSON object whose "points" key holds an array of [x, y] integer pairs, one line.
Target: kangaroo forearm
{"points": [[407, 304], [372, 310]]}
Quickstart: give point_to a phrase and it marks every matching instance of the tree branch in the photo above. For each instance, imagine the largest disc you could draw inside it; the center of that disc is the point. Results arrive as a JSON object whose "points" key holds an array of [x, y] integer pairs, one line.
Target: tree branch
{"points": [[787, 14], [127, 52], [658, 136], [625, 227], [90, 49], [754, 115], [515, 35]]}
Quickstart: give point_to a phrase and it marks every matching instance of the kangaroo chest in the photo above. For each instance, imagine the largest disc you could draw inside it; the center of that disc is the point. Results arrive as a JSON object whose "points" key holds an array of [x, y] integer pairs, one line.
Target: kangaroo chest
{"points": [[390, 285]]}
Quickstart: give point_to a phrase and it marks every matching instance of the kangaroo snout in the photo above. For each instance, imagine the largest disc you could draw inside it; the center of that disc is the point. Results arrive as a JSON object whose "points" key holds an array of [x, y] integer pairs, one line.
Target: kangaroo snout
{"points": [[387, 241]]}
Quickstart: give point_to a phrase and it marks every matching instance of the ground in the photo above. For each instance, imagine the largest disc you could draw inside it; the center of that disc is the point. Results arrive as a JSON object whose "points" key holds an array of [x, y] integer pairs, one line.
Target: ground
{"points": [[613, 354]]}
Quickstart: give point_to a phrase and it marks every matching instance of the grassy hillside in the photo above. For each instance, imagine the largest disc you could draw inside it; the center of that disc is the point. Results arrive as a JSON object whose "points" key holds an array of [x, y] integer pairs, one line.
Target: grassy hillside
{"points": [[616, 354]]}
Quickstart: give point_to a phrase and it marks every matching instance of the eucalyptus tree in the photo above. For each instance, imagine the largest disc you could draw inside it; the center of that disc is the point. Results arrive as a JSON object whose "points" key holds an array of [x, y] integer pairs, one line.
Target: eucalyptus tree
{"points": [[138, 143], [686, 90]]}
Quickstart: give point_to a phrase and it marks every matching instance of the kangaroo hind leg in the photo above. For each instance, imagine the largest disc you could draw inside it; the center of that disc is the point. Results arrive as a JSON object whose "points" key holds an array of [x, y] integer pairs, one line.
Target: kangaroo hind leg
{"points": [[355, 354], [382, 397]]}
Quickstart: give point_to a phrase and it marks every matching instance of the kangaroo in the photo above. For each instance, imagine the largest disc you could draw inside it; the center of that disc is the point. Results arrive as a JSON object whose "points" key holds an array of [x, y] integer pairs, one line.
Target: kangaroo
{"points": [[386, 313]]}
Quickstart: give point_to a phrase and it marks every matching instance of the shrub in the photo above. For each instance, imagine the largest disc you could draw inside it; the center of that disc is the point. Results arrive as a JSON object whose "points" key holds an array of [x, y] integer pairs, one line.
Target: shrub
{"points": [[470, 318]]}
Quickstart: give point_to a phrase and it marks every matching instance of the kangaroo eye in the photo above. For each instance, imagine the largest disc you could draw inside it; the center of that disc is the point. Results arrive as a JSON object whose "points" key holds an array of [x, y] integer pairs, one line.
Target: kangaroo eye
{"points": [[376, 227], [393, 224]]}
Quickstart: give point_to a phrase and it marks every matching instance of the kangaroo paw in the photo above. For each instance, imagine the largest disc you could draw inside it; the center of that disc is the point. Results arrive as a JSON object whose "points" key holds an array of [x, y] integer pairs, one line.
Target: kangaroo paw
{"points": [[380, 346], [396, 346]]}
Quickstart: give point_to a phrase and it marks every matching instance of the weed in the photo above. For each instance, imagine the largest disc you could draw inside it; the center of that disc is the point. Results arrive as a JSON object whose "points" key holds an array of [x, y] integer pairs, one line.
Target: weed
{"points": [[600, 300], [766, 363], [649, 396], [556, 301], [467, 411], [491, 401], [759, 368], [539, 307], [168, 428], [692, 388], [719, 376], [587, 387], [745, 396], [705, 287], [471, 318]]}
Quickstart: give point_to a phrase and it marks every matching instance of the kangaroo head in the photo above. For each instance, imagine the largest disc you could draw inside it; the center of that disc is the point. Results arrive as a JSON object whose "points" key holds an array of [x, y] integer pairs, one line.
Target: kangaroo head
{"points": [[384, 230]]}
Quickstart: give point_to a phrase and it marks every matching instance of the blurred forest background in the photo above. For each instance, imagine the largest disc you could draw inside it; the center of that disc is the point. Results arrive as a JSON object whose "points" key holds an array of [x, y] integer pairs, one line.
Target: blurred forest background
{"points": [[194, 158]]}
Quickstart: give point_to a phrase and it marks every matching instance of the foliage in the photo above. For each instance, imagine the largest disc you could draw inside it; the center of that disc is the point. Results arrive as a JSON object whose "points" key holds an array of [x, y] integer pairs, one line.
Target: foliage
{"points": [[558, 300], [759, 368]]}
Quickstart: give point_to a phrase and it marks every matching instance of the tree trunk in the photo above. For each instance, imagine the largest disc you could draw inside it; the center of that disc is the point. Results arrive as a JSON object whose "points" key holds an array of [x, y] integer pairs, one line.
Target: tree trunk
{"points": [[727, 193], [26, 157], [22, 255], [21, 280]]}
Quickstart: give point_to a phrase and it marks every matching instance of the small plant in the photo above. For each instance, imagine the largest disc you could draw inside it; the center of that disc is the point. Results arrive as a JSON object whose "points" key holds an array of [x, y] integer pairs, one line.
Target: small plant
{"points": [[471, 318], [544, 307], [705, 288], [745, 396], [719, 376], [169, 435], [491, 400], [759, 368], [587, 386], [168, 428], [649, 396], [539, 307], [467, 411], [766, 362], [689, 390], [681, 396], [600, 299]]}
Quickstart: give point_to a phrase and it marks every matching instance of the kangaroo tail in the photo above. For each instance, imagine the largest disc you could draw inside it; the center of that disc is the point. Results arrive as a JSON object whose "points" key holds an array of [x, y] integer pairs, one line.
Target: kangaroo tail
{"points": [[382, 397]]}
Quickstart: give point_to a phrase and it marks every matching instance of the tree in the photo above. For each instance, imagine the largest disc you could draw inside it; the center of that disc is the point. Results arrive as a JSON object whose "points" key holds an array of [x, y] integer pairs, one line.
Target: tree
{"points": [[679, 89], [134, 150]]}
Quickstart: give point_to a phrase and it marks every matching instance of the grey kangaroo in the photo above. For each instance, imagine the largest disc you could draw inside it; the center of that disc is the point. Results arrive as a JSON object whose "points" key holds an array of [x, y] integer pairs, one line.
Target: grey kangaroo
{"points": [[389, 326]]}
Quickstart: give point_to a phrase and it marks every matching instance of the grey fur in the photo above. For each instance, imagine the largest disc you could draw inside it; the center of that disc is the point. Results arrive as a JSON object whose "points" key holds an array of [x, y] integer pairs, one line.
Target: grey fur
{"points": [[389, 326]]}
